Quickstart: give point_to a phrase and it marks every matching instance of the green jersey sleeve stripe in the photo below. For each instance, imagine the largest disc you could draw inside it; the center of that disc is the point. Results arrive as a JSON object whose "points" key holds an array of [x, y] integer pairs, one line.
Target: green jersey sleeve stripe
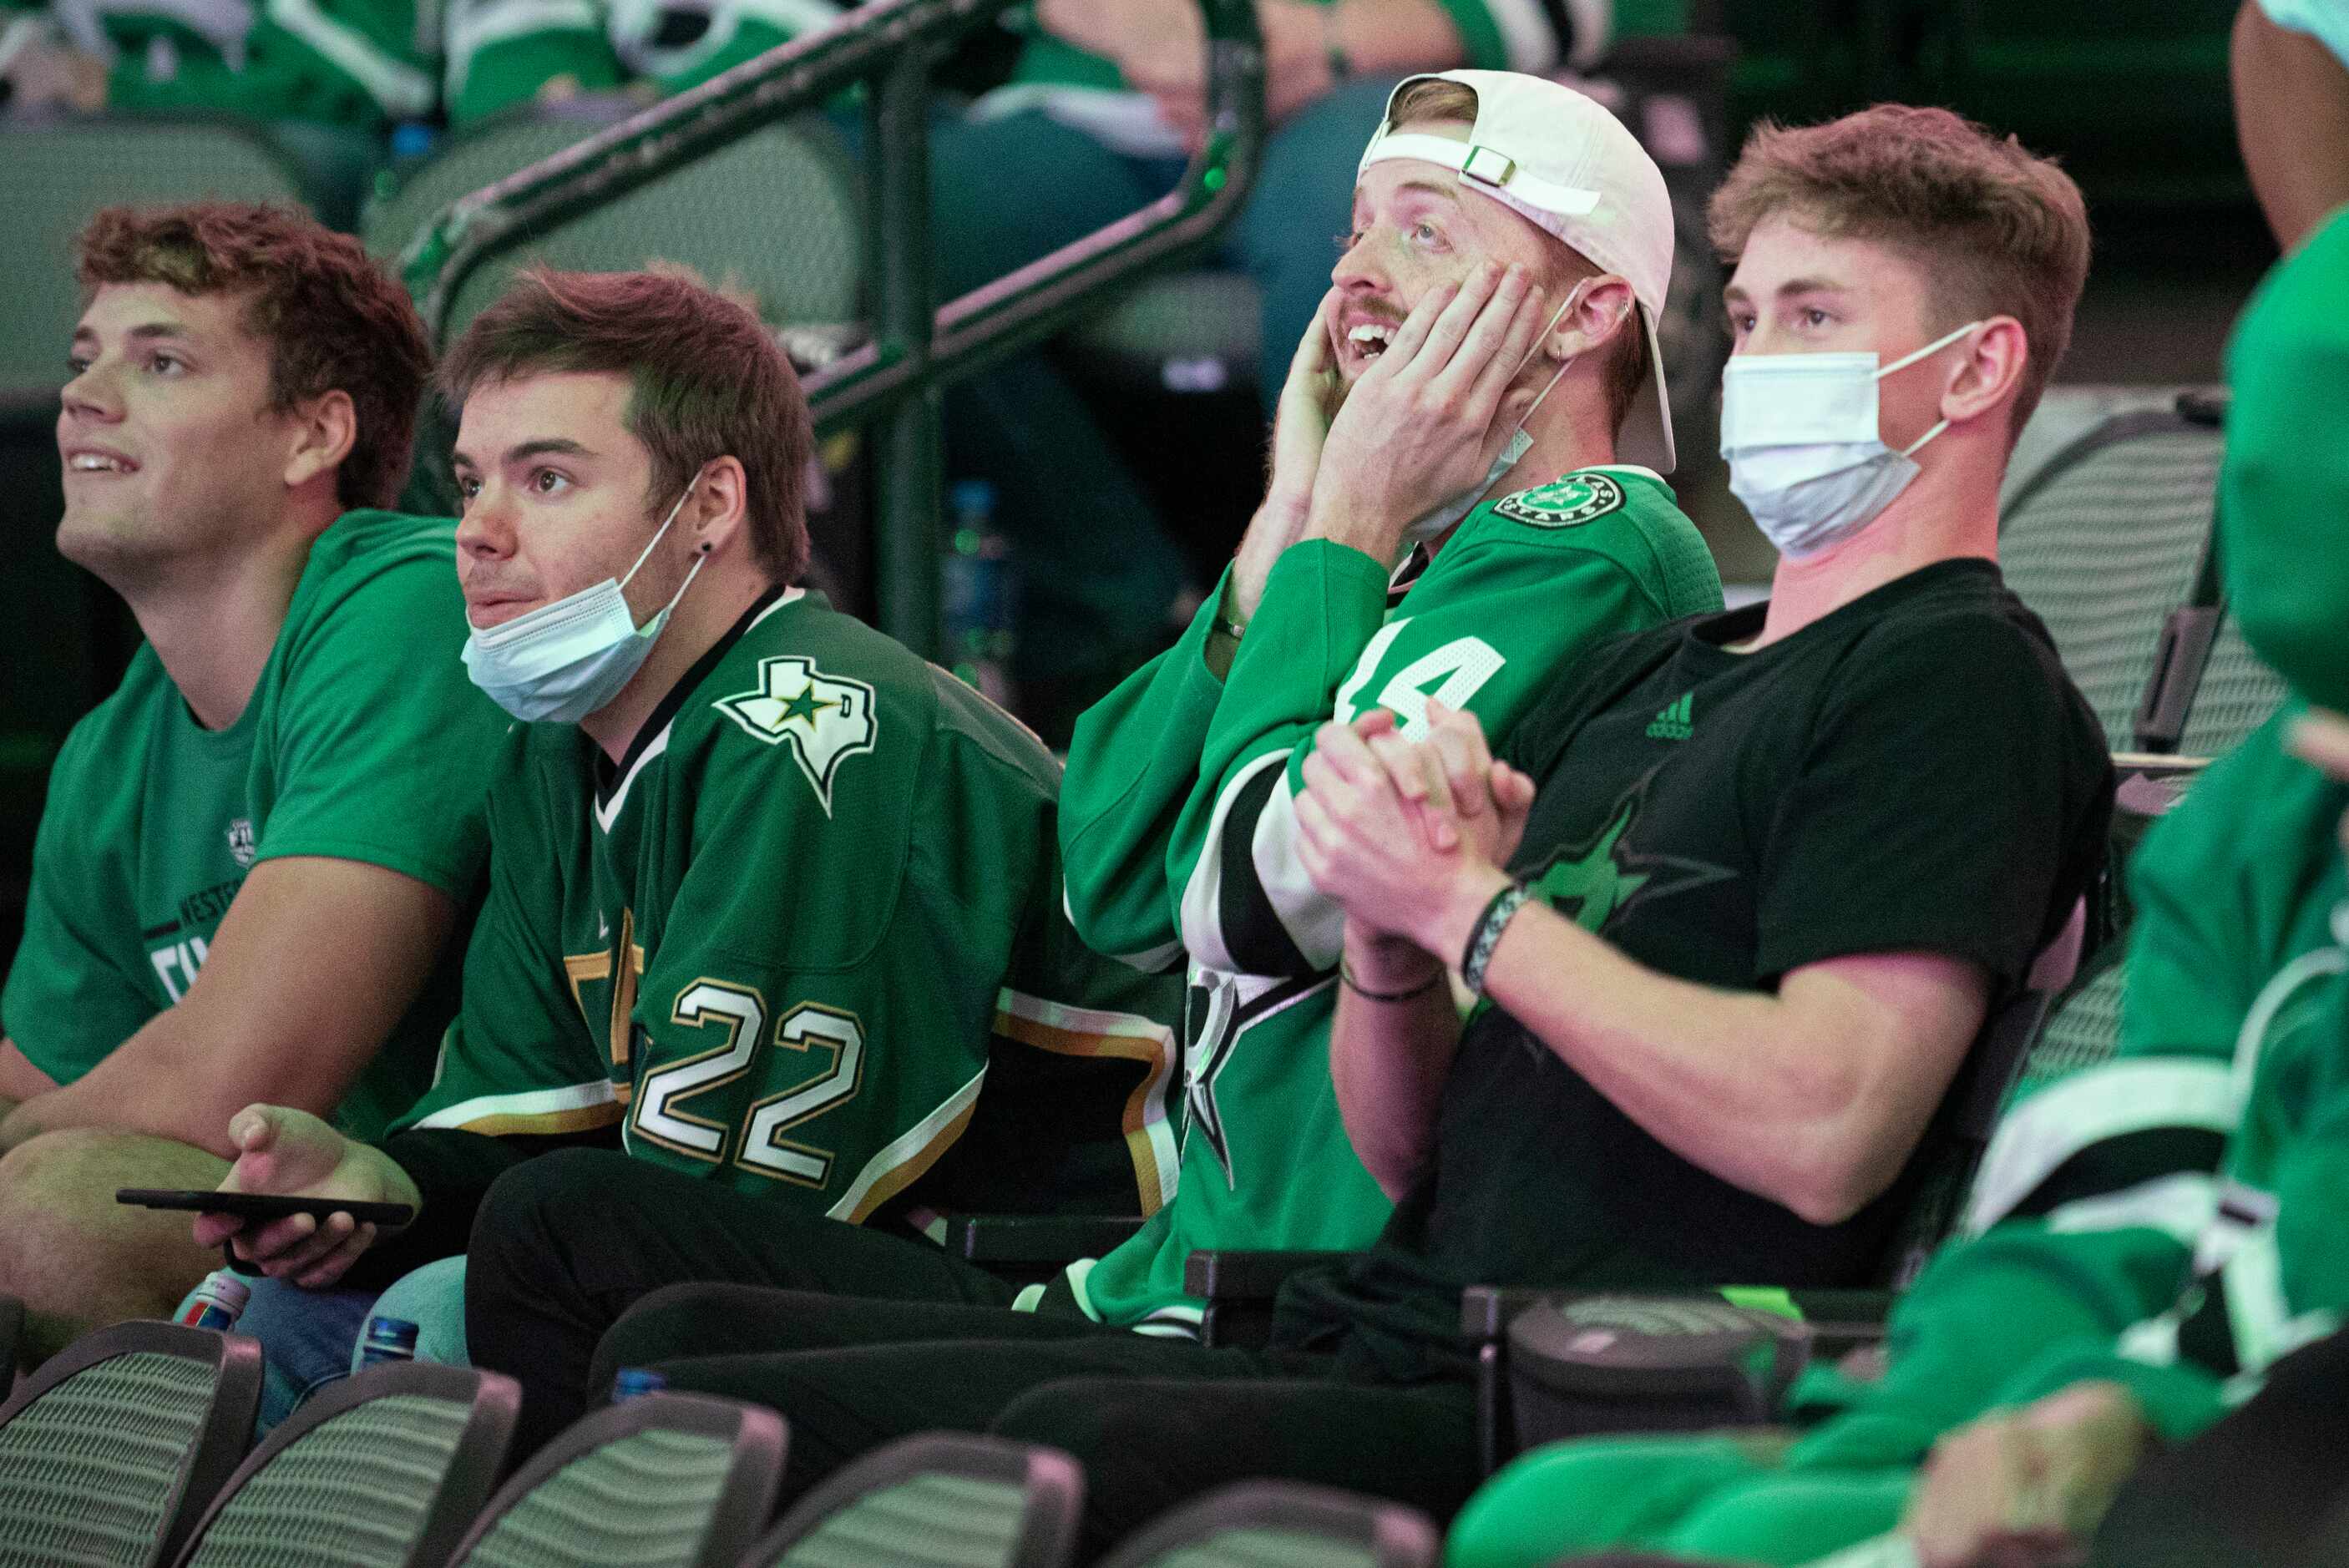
{"points": [[904, 1159], [571, 1108], [2115, 1100], [1228, 922], [1056, 1027]]}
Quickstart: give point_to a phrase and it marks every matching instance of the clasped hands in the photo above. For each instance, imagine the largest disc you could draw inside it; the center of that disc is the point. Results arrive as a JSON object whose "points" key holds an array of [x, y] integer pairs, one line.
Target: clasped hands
{"points": [[1409, 836]]}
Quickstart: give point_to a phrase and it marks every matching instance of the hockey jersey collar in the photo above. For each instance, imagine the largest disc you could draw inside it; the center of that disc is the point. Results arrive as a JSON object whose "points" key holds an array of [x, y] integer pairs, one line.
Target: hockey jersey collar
{"points": [[612, 777]]}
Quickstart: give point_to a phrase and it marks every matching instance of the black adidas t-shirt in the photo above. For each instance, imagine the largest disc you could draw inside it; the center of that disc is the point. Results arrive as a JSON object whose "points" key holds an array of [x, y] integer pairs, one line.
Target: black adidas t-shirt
{"points": [[1912, 772]]}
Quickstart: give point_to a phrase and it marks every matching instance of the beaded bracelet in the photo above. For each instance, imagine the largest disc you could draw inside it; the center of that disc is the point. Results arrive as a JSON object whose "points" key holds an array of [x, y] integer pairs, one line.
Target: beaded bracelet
{"points": [[1487, 936], [1346, 978]]}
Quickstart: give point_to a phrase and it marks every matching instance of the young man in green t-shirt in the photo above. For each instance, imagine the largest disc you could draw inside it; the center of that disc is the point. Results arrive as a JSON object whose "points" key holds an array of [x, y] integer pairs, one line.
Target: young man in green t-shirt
{"points": [[253, 853]]}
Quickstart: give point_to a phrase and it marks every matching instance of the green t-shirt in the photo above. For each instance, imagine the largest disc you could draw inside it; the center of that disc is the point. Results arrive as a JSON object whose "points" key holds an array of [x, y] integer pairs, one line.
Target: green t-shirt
{"points": [[1179, 827], [363, 741], [790, 937]]}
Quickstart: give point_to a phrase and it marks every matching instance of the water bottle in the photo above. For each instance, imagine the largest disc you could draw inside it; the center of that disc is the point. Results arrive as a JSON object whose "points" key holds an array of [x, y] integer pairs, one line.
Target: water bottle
{"points": [[217, 1302], [631, 1381], [388, 1339], [979, 594]]}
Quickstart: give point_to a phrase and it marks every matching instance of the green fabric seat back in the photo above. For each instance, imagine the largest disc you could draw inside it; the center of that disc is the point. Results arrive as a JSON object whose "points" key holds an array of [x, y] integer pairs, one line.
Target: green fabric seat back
{"points": [[57, 176], [2103, 545], [644, 1500], [88, 1471], [776, 213], [353, 1491], [1268, 1548], [924, 1521]]}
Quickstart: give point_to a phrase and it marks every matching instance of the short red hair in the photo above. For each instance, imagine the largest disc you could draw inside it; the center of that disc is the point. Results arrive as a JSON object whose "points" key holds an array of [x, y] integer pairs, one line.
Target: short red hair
{"points": [[331, 318]]}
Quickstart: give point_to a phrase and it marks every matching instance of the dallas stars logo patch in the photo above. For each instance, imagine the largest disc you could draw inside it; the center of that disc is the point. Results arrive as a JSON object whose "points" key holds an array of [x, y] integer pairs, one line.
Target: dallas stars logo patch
{"points": [[825, 720], [1602, 878], [1576, 499]]}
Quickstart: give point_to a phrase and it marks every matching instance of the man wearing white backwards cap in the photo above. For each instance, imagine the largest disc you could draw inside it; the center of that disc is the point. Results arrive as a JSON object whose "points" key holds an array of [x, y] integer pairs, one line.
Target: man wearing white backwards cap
{"points": [[1446, 520]]}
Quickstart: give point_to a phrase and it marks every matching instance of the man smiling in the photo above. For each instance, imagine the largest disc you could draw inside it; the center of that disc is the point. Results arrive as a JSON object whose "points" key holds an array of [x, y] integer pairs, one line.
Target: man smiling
{"points": [[255, 851]]}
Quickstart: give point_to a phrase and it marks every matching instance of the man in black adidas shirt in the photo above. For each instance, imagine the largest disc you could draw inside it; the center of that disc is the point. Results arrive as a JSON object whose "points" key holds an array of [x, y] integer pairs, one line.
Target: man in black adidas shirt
{"points": [[1779, 866]]}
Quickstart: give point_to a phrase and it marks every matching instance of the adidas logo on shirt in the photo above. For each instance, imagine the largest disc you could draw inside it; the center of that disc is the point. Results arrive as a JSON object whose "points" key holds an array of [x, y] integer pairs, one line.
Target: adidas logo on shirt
{"points": [[1673, 723]]}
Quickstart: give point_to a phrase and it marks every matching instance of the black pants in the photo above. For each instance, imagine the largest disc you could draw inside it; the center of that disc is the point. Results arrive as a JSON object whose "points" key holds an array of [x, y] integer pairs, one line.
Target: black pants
{"points": [[2266, 1485], [1154, 1422], [565, 1244]]}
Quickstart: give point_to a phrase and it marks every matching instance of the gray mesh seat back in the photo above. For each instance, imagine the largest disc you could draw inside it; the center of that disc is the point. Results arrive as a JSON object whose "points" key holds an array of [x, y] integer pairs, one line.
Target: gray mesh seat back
{"points": [[384, 1469], [2239, 692], [57, 176], [1282, 1524], [108, 1453], [666, 1480], [940, 1500], [2103, 543], [776, 213]]}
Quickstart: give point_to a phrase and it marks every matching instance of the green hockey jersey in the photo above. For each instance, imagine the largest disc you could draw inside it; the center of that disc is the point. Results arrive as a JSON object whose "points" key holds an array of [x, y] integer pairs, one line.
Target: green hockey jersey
{"points": [[502, 52], [1179, 827], [354, 746], [780, 942], [360, 63], [2170, 1219]]}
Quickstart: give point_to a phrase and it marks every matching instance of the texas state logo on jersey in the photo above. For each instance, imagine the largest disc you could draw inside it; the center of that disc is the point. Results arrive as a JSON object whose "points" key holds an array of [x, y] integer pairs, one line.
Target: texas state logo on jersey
{"points": [[824, 719]]}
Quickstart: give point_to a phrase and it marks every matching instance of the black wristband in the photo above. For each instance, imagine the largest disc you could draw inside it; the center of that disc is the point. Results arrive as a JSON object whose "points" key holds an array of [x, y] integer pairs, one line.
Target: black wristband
{"points": [[1487, 934], [1346, 978]]}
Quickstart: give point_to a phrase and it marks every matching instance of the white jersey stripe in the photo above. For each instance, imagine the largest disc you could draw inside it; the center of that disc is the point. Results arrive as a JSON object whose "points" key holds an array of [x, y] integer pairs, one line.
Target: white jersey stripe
{"points": [[908, 1155], [530, 1105], [2089, 1107], [1315, 921], [1203, 895]]}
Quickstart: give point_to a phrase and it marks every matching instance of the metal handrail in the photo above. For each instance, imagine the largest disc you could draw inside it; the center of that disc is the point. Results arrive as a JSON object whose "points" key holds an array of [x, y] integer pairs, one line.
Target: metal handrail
{"points": [[916, 347]]}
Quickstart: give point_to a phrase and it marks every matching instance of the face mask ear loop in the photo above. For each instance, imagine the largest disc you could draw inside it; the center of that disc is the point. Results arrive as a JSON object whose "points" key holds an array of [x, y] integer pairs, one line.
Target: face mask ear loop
{"points": [[1911, 449], [1571, 301], [1938, 344], [663, 529]]}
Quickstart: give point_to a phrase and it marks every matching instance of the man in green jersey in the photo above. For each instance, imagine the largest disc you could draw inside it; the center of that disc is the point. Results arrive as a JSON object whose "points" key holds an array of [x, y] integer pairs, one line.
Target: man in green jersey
{"points": [[1376, 575], [771, 898], [254, 852]]}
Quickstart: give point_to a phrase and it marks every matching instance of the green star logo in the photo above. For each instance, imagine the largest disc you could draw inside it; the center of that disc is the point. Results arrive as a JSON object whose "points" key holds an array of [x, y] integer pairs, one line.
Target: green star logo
{"points": [[805, 707], [1605, 876]]}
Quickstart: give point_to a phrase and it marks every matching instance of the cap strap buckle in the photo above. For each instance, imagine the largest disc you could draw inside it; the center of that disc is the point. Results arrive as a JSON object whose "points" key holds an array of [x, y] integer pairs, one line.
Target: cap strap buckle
{"points": [[1488, 165]]}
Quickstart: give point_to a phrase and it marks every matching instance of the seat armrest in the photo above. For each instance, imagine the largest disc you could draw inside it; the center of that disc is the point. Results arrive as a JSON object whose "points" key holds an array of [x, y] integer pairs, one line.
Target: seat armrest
{"points": [[999, 1241], [1219, 1275], [1839, 1320]]}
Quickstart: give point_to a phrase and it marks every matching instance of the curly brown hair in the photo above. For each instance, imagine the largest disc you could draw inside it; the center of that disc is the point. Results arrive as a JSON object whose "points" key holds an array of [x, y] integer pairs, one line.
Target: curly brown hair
{"points": [[332, 318], [706, 380], [1997, 229]]}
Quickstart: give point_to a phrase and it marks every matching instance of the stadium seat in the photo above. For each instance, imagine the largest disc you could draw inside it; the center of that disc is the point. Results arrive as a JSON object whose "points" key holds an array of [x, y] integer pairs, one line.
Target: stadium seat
{"points": [[2107, 538], [664, 1481], [723, 215], [112, 1449], [941, 1499], [384, 1469], [59, 172], [1261, 1524]]}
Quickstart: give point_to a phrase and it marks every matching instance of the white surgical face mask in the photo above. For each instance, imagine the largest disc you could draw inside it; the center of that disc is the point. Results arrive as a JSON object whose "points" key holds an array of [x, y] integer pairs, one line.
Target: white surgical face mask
{"points": [[1805, 455], [1430, 524], [562, 661]]}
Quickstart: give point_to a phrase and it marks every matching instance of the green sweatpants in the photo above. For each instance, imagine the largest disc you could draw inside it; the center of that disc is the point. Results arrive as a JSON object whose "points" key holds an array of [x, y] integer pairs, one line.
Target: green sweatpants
{"points": [[1723, 1496]]}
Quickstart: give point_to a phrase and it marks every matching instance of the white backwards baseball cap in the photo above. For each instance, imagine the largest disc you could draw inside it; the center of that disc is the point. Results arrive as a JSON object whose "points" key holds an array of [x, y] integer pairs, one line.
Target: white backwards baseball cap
{"points": [[1569, 167]]}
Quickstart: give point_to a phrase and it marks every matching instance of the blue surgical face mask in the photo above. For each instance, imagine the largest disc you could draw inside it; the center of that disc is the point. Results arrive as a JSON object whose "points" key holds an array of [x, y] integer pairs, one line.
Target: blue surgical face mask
{"points": [[1804, 453], [564, 661]]}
